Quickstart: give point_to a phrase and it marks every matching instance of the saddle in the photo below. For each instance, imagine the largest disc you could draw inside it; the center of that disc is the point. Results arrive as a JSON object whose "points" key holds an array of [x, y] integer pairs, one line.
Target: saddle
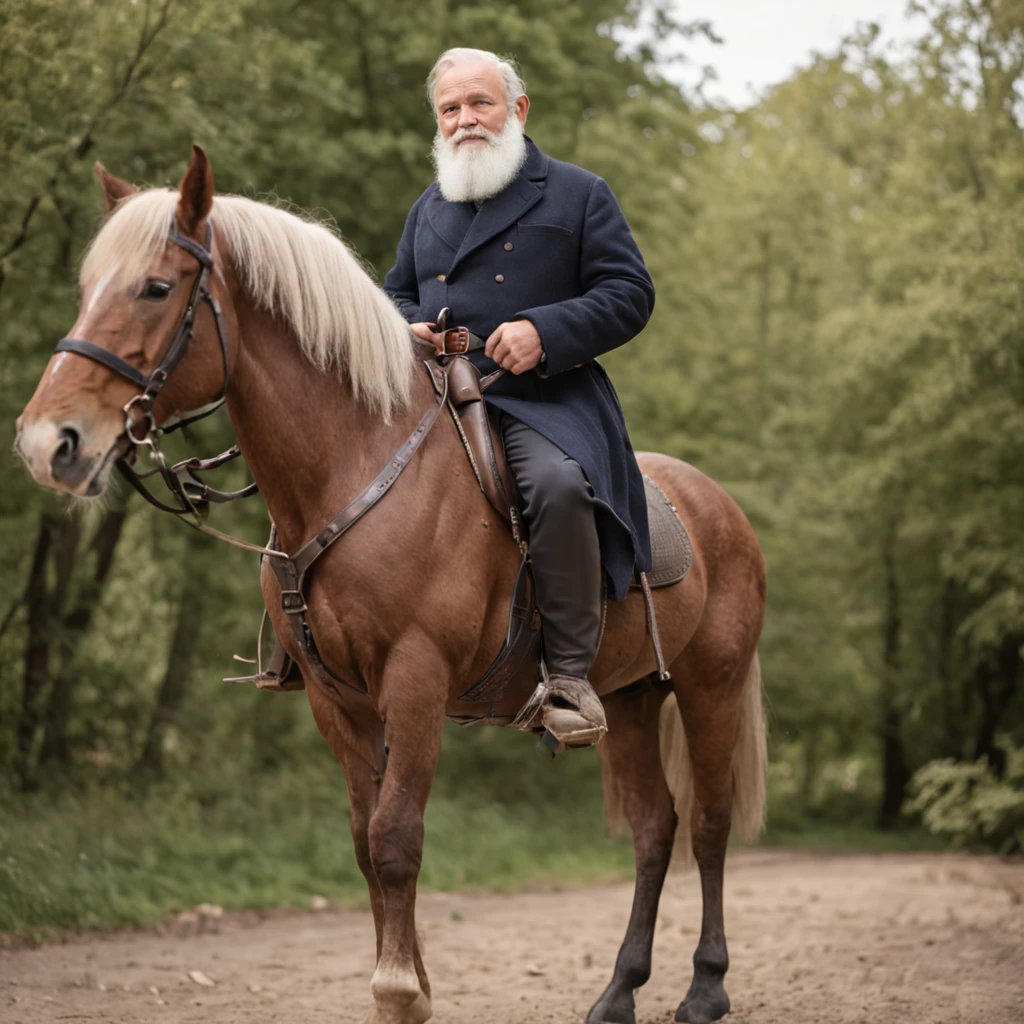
{"points": [[459, 383]]}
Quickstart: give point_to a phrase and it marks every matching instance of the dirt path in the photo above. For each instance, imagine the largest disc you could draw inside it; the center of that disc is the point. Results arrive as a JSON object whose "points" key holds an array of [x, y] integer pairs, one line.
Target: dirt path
{"points": [[917, 939]]}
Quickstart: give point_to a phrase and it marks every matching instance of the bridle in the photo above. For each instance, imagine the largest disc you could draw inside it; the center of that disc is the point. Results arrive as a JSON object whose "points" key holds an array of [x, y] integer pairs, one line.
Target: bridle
{"points": [[141, 430], [153, 384], [191, 493]]}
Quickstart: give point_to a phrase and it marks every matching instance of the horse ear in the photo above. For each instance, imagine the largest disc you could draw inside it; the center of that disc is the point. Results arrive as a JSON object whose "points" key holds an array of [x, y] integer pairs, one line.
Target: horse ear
{"points": [[196, 188], [114, 189]]}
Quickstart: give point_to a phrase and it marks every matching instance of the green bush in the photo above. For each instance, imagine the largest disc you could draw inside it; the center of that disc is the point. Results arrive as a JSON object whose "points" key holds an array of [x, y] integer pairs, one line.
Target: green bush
{"points": [[970, 805]]}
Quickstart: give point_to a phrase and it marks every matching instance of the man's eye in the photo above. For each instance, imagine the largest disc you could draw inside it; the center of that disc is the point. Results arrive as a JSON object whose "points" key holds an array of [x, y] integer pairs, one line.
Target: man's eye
{"points": [[156, 291]]}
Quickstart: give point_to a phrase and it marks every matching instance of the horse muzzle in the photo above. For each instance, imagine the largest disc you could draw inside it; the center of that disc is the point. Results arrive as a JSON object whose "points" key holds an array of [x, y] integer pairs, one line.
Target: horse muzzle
{"points": [[64, 457]]}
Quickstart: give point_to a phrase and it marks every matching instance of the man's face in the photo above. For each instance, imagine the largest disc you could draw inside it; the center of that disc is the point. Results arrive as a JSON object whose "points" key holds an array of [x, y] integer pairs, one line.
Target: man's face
{"points": [[471, 94]]}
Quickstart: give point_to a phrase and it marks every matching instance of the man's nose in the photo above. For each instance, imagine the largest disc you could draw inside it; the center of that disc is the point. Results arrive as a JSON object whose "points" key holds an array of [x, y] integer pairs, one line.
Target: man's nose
{"points": [[467, 116]]}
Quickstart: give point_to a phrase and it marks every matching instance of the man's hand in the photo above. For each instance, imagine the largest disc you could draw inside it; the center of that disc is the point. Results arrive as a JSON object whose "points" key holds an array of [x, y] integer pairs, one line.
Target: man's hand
{"points": [[427, 333], [515, 346]]}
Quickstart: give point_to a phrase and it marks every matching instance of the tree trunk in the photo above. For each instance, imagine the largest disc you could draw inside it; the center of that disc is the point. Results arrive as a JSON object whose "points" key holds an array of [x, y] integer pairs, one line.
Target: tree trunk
{"points": [[894, 766], [75, 626], [180, 659], [811, 751], [952, 721], [37, 654], [996, 683]]}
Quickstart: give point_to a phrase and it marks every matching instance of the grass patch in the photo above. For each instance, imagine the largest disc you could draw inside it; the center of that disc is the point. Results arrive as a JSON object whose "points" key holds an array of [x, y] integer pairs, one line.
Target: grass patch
{"points": [[840, 837], [111, 857], [500, 817]]}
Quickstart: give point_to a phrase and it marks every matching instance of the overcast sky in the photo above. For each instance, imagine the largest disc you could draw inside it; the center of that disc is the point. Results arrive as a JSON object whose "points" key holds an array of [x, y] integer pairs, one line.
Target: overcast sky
{"points": [[765, 40]]}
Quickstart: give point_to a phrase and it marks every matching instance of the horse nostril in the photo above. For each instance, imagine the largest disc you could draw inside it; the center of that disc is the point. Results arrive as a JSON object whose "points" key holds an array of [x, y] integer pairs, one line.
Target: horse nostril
{"points": [[67, 449]]}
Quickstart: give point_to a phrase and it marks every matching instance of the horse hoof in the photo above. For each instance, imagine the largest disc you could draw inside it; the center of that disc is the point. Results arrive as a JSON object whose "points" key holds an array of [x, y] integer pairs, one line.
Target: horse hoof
{"points": [[703, 1008], [416, 1012], [398, 999], [614, 1007], [611, 1015]]}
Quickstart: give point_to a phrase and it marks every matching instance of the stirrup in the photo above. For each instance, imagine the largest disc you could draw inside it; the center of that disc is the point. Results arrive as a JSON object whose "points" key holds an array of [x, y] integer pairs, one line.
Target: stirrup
{"points": [[282, 675], [569, 712]]}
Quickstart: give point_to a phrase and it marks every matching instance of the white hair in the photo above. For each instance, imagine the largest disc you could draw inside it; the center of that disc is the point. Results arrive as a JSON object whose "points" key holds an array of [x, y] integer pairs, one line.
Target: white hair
{"points": [[514, 84], [295, 268], [471, 174]]}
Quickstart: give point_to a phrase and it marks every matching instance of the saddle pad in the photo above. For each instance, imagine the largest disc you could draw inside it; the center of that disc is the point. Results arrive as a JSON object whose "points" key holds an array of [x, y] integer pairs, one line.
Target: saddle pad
{"points": [[671, 551]]}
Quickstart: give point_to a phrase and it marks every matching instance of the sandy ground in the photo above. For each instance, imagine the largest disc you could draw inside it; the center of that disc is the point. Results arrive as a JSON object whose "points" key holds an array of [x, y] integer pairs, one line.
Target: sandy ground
{"points": [[914, 939]]}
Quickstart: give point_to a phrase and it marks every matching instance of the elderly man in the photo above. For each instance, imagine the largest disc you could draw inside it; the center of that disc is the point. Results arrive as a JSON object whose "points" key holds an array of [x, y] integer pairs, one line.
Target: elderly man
{"points": [[534, 256]]}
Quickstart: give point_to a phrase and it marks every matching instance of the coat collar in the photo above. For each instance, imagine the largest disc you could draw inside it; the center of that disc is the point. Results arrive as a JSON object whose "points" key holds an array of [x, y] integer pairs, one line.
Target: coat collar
{"points": [[465, 231]]}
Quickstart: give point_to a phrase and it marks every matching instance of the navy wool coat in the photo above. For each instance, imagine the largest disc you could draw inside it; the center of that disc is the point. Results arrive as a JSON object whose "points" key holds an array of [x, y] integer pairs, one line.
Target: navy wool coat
{"points": [[553, 248]]}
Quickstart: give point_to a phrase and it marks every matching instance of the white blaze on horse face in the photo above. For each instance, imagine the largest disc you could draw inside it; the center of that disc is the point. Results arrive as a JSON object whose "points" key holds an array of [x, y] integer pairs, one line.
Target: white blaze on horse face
{"points": [[100, 287], [58, 363]]}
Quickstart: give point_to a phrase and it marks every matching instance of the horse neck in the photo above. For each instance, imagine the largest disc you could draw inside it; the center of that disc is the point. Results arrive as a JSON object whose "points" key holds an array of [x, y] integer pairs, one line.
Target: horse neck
{"points": [[311, 447]]}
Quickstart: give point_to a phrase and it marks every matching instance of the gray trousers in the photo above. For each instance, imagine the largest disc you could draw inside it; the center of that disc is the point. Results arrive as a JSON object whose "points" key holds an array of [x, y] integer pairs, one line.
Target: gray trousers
{"points": [[558, 507]]}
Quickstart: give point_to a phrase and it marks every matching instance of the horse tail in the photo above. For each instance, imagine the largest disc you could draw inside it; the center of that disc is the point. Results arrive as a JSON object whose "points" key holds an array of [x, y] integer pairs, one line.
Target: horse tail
{"points": [[750, 759], [749, 766]]}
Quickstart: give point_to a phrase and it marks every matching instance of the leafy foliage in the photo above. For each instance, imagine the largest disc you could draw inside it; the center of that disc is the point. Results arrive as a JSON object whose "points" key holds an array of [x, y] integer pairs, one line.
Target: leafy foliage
{"points": [[838, 339], [970, 804]]}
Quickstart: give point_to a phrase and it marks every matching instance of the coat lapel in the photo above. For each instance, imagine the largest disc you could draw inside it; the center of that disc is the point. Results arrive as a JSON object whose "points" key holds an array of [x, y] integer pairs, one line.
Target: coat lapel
{"points": [[450, 221], [497, 214], [506, 208]]}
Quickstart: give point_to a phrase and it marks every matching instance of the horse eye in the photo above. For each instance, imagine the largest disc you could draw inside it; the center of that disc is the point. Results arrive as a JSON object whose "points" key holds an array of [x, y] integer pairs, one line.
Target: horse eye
{"points": [[156, 291]]}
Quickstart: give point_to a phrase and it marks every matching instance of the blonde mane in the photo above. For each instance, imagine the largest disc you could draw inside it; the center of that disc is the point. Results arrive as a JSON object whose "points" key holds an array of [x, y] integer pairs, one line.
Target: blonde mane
{"points": [[298, 269]]}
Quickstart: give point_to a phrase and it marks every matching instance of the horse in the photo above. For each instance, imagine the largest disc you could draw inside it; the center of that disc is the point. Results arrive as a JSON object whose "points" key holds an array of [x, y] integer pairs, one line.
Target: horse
{"points": [[323, 381]]}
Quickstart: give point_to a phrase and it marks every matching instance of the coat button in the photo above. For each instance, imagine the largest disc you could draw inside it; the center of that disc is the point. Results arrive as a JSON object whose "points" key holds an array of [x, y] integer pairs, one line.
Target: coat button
{"points": [[508, 247], [499, 278], [440, 278]]}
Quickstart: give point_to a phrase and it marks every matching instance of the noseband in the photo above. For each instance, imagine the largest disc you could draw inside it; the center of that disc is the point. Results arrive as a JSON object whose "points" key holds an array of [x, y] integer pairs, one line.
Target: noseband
{"points": [[180, 478]]}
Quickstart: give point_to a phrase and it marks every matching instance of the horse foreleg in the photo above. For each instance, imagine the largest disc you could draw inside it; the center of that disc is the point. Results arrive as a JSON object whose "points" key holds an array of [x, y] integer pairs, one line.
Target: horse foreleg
{"points": [[414, 721], [358, 743], [634, 776]]}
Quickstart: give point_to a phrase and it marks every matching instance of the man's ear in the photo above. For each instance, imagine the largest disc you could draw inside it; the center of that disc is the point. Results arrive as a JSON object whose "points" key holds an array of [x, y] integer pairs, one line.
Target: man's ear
{"points": [[196, 193], [522, 109], [114, 189]]}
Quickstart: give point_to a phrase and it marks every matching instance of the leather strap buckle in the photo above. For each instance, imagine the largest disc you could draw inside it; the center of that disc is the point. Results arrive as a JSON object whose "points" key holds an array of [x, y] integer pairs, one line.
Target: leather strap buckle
{"points": [[456, 341], [293, 602]]}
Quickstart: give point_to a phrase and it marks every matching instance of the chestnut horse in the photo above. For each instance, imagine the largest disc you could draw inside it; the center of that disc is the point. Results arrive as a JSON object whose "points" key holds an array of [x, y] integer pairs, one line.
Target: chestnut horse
{"points": [[323, 383]]}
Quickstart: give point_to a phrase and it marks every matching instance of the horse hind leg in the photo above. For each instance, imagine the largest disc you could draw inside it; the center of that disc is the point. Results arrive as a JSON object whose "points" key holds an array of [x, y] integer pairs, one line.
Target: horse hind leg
{"points": [[723, 721], [634, 783]]}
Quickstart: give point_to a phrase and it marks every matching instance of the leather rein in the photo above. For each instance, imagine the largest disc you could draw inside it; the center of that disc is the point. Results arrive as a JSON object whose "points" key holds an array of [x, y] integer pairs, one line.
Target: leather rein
{"points": [[190, 492]]}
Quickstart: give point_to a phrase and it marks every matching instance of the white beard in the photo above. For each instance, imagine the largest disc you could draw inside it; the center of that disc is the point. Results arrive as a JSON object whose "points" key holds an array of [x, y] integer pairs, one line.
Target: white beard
{"points": [[471, 174]]}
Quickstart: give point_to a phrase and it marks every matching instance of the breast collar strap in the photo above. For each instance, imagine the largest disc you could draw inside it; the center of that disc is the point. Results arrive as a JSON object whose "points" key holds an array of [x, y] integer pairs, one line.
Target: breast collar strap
{"points": [[153, 384]]}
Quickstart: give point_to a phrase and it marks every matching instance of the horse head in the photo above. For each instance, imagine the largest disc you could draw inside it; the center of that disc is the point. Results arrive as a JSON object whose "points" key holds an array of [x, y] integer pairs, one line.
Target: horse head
{"points": [[110, 379]]}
